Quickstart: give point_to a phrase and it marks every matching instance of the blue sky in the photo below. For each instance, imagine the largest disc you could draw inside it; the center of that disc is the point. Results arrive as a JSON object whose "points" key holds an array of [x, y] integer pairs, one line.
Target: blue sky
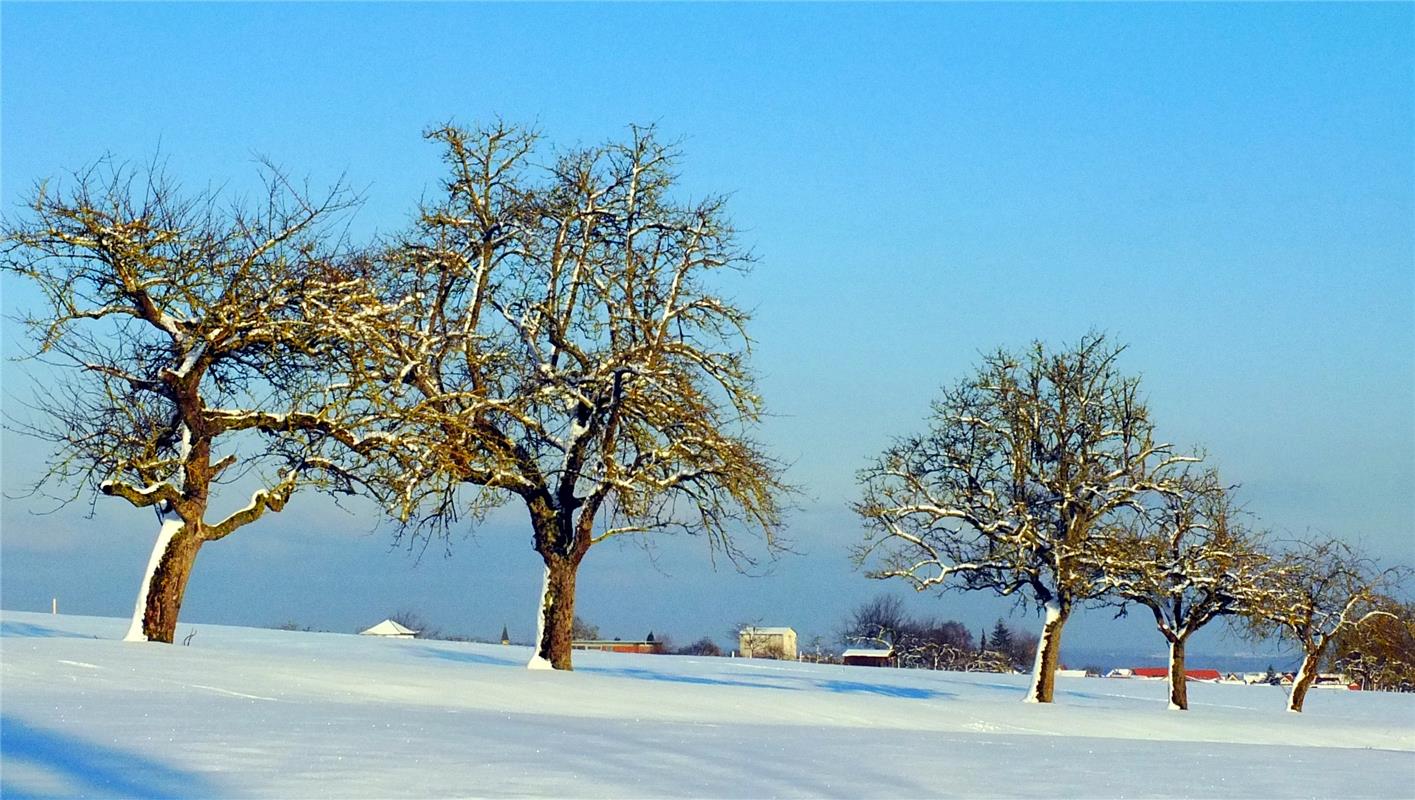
{"points": [[1229, 189]]}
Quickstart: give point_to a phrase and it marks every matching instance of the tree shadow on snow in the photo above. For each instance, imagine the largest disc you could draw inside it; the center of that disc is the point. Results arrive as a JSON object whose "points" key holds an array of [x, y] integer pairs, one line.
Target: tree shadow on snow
{"points": [[785, 684], [42, 763], [29, 631], [468, 658], [905, 692], [669, 677]]}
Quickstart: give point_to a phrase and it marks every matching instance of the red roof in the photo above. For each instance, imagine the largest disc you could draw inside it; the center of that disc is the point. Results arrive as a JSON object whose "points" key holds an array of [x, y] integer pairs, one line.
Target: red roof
{"points": [[1191, 674]]}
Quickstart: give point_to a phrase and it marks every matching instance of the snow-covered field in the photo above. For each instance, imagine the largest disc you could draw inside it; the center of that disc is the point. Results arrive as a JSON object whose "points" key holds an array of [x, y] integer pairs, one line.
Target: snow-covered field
{"points": [[247, 712]]}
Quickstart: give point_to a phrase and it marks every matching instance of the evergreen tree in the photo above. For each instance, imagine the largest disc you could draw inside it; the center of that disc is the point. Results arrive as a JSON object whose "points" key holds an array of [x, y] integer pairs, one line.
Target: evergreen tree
{"points": [[1002, 638]]}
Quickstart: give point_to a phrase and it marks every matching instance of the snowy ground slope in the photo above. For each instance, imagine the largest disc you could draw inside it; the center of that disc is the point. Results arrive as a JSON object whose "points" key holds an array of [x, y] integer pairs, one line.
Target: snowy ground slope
{"points": [[246, 712]]}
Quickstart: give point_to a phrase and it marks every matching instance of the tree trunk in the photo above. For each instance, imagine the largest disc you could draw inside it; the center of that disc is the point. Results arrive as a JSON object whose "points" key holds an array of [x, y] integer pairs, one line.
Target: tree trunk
{"points": [[557, 615], [165, 583], [1178, 684], [1048, 655], [1306, 676], [169, 528]]}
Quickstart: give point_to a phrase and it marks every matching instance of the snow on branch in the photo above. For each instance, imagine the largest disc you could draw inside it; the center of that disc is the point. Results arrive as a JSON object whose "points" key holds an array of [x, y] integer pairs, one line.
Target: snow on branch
{"points": [[168, 305], [1028, 472], [564, 347]]}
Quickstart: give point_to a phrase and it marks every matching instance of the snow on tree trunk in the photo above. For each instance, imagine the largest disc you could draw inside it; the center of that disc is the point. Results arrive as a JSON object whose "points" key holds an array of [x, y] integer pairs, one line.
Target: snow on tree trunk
{"points": [[1306, 676], [536, 661], [159, 550], [1178, 683], [554, 629], [1048, 655], [166, 582]]}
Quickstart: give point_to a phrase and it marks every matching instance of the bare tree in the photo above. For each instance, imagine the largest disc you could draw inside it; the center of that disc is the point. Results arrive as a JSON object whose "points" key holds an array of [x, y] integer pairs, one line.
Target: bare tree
{"points": [[1023, 649], [702, 647], [881, 620], [1380, 654], [935, 644], [173, 328], [991, 661], [558, 339], [582, 630], [818, 651], [915, 643], [414, 622], [1189, 560], [1317, 593], [1019, 485]]}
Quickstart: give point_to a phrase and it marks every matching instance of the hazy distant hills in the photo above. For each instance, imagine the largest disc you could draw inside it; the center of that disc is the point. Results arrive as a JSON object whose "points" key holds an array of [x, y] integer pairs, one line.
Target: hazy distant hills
{"points": [[1107, 659]]}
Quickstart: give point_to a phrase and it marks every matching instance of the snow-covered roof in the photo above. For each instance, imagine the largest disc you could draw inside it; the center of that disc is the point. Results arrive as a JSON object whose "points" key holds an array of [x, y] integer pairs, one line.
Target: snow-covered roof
{"points": [[770, 631], [1163, 672], [860, 651], [388, 628]]}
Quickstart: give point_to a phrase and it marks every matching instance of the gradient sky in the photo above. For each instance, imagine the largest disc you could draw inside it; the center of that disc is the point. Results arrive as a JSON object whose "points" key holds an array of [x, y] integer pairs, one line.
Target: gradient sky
{"points": [[1229, 189]]}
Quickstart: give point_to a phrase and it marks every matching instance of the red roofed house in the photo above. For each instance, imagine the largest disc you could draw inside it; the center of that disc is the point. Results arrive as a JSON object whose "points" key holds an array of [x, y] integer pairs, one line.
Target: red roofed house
{"points": [[1160, 673], [861, 657], [617, 646]]}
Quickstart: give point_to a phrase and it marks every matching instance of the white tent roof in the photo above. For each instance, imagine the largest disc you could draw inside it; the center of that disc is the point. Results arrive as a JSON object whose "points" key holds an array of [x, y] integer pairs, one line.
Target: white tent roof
{"points": [[388, 628]]}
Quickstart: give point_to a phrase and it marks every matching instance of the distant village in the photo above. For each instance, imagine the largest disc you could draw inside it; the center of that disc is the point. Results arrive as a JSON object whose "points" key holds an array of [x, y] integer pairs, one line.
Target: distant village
{"points": [[781, 643]]}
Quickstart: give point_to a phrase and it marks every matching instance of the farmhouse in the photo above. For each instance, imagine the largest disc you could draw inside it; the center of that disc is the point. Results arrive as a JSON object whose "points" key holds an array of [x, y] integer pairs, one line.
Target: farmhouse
{"points": [[757, 642]]}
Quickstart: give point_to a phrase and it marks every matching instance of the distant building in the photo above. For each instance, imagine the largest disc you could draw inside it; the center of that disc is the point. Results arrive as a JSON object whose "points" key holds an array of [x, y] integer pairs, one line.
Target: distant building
{"points": [[389, 630], [757, 642], [860, 657], [616, 645], [1336, 680], [1162, 673]]}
